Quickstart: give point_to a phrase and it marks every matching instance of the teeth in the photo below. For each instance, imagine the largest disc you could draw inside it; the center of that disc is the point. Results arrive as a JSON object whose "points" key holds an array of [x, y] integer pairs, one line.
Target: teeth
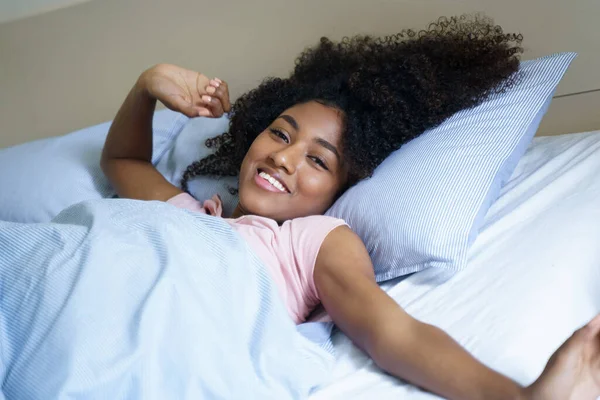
{"points": [[272, 181]]}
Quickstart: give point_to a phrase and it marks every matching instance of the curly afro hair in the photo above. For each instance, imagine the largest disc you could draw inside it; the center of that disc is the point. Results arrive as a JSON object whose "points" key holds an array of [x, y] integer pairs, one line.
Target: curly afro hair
{"points": [[389, 89]]}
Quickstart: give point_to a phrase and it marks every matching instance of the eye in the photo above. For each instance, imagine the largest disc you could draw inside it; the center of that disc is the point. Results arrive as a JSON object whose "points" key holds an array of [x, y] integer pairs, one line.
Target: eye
{"points": [[280, 134], [319, 162]]}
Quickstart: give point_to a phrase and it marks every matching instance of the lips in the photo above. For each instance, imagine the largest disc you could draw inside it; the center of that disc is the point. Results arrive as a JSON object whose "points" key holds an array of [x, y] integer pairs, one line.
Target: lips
{"points": [[271, 181]]}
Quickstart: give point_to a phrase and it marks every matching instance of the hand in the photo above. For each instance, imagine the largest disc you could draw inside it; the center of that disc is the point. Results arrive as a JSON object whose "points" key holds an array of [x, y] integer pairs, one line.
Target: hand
{"points": [[573, 371], [188, 92]]}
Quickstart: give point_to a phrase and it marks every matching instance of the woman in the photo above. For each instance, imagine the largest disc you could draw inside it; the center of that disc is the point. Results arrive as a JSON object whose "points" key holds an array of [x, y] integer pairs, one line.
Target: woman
{"points": [[298, 143]]}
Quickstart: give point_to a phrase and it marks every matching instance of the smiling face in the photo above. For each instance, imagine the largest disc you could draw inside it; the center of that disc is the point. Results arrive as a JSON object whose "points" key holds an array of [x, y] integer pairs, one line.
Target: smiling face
{"points": [[294, 168]]}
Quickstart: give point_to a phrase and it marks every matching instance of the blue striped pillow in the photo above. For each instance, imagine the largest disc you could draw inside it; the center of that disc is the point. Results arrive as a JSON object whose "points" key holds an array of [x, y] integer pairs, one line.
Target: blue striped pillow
{"points": [[46, 176], [424, 205]]}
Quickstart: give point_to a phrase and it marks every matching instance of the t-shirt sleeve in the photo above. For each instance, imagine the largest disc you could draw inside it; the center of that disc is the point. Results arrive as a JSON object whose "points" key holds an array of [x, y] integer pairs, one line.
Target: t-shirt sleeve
{"points": [[307, 235]]}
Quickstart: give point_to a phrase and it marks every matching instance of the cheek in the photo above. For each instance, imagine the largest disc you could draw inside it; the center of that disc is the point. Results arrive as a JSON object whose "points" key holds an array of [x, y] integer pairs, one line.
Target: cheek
{"points": [[259, 149], [251, 156], [244, 167], [315, 186]]}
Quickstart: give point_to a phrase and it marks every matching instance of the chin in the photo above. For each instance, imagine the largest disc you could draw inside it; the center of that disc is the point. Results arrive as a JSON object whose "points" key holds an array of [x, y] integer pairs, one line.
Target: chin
{"points": [[258, 206]]}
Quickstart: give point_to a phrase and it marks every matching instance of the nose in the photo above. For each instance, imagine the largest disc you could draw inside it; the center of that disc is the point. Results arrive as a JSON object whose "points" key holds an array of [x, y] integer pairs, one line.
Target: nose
{"points": [[287, 158]]}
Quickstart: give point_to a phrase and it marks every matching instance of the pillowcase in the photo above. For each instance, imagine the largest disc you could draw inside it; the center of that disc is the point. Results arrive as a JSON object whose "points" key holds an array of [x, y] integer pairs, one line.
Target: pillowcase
{"points": [[189, 147], [41, 178], [425, 203]]}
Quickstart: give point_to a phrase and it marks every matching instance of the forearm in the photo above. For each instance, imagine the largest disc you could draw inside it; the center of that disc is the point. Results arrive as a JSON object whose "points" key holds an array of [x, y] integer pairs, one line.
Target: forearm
{"points": [[429, 358], [130, 135]]}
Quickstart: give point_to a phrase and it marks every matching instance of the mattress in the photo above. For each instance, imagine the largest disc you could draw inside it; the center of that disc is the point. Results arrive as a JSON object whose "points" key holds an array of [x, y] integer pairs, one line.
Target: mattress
{"points": [[533, 275]]}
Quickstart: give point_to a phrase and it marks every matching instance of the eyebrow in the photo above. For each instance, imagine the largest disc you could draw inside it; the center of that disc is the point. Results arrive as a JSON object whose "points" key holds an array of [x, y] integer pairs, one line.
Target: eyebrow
{"points": [[290, 120], [328, 146]]}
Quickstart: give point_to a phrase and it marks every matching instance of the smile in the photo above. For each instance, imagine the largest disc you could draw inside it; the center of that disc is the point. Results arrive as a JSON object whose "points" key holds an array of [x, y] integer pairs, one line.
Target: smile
{"points": [[266, 181]]}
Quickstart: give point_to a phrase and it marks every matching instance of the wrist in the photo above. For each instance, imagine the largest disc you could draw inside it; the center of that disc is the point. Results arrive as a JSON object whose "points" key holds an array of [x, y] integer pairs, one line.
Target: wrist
{"points": [[142, 85]]}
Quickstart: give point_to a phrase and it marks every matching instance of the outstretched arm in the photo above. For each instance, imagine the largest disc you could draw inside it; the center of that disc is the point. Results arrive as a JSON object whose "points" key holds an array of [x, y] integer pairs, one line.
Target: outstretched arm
{"points": [[420, 353], [398, 343], [127, 155]]}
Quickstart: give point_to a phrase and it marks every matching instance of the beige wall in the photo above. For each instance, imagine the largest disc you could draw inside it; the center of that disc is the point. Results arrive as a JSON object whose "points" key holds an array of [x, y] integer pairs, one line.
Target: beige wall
{"points": [[579, 113], [71, 68], [11, 10]]}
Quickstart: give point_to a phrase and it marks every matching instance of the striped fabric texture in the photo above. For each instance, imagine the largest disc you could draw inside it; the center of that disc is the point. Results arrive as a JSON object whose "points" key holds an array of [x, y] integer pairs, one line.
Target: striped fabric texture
{"points": [[41, 178], [126, 299], [424, 205]]}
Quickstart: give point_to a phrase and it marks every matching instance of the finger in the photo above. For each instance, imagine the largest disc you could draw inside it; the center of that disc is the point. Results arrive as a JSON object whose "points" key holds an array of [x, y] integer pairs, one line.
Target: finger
{"points": [[213, 104], [211, 90], [219, 89], [183, 106], [223, 91], [203, 112], [201, 80]]}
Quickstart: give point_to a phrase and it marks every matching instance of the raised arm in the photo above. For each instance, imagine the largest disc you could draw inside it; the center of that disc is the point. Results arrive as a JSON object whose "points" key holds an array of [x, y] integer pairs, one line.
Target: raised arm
{"points": [[127, 154], [399, 344]]}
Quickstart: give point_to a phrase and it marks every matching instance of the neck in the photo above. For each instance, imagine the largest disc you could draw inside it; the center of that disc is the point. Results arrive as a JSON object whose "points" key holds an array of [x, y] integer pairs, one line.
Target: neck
{"points": [[238, 212]]}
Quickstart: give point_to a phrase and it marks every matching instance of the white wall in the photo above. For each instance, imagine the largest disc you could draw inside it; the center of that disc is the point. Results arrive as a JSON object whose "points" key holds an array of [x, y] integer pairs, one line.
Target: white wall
{"points": [[71, 68]]}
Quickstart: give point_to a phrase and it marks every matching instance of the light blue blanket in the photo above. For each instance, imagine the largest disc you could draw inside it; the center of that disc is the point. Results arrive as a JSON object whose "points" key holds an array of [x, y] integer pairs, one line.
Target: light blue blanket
{"points": [[123, 299]]}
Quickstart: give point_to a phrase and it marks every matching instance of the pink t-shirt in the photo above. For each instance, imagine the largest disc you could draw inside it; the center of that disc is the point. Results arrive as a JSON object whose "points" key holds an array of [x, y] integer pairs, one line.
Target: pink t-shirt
{"points": [[288, 251]]}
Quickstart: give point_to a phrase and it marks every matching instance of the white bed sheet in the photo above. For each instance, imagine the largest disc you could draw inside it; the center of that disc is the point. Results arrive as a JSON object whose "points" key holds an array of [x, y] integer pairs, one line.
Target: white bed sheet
{"points": [[533, 275]]}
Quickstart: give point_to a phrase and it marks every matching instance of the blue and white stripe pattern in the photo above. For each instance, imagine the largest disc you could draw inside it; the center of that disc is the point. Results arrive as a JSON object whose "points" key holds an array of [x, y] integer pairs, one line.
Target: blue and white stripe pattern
{"points": [[124, 299], [189, 147], [424, 205], [44, 177]]}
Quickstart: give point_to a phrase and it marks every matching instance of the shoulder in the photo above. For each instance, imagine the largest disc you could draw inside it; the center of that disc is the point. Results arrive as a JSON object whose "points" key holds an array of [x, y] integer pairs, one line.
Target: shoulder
{"points": [[342, 243], [341, 238], [307, 234], [342, 252]]}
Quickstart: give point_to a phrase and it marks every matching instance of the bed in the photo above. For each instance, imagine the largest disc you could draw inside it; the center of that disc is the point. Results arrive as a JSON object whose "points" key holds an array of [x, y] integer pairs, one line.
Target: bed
{"points": [[533, 275]]}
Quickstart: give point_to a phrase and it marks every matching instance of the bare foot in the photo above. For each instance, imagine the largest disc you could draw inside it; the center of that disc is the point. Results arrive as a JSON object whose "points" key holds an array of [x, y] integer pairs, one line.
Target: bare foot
{"points": [[573, 371]]}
